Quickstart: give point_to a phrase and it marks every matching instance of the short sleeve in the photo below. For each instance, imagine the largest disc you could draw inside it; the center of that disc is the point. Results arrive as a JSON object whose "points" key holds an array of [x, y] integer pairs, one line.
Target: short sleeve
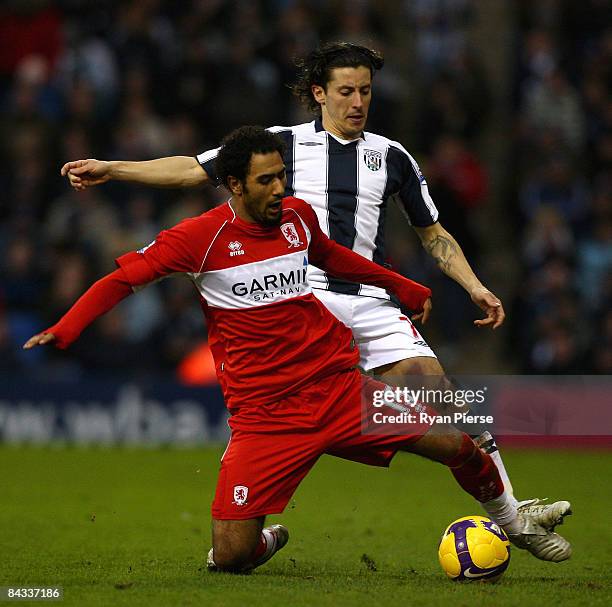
{"points": [[207, 162], [408, 182]]}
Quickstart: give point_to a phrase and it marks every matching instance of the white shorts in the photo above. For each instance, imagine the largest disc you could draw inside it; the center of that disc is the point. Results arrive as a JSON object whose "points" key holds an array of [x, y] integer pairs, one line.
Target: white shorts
{"points": [[384, 335]]}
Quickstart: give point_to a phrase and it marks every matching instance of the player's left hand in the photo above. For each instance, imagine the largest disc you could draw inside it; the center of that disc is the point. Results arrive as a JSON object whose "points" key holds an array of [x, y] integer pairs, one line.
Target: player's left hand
{"points": [[424, 315], [491, 304], [39, 340]]}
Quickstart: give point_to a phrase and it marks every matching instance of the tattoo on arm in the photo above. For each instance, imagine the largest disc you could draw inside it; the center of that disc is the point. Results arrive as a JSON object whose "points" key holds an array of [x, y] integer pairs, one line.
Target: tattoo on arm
{"points": [[442, 250]]}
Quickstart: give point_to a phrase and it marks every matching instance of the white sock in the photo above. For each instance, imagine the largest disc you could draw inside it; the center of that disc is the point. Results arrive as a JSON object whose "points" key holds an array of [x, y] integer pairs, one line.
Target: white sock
{"points": [[270, 539], [497, 460], [487, 443], [503, 511]]}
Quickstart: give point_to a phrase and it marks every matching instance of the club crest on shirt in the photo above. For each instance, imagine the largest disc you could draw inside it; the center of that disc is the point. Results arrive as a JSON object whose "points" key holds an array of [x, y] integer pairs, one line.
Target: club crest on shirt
{"points": [[235, 248], [240, 495], [290, 233], [372, 159]]}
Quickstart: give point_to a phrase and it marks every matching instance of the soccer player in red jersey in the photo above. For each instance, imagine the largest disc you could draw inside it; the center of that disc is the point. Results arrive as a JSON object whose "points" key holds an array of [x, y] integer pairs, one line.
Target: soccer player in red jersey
{"points": [[349, 175], [286, 365]]}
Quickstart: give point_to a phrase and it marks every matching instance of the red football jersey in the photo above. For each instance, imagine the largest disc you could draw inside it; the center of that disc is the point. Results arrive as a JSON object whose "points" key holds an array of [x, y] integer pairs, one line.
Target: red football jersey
{"points": [[269, 334]]}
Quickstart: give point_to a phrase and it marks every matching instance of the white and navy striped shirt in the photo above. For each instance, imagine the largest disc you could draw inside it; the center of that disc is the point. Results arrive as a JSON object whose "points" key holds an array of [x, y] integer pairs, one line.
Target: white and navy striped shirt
{"points": [[349, 183]]}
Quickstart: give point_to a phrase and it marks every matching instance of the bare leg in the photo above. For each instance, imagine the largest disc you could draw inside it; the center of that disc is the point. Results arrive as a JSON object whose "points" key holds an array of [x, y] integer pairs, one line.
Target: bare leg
{"points": [[426, 365], [235, 543], [440, 444], [419, 365]]}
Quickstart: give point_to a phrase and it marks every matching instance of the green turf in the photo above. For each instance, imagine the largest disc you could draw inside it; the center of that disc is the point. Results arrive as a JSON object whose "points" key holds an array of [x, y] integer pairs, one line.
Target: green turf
{"points": [[131, 527]]}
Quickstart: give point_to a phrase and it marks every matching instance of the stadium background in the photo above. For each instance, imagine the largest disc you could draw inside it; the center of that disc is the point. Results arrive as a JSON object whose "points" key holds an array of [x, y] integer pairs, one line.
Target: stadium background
{"points": [[507, 107]]}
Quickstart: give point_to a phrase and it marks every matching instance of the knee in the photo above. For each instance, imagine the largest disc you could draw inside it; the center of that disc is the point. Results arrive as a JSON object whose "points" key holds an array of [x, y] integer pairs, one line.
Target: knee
{"points": [[419, 365], [234, 543], [230, 556], [229, 559]]}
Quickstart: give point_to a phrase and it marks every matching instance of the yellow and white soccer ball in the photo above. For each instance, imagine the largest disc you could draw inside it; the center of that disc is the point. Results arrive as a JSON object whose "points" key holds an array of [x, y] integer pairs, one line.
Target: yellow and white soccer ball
{"points": [[474, 548]]}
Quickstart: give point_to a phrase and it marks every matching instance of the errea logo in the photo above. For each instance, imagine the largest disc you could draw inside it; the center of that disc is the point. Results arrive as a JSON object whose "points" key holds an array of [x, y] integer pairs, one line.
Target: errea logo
{"points": [[235, 248]]}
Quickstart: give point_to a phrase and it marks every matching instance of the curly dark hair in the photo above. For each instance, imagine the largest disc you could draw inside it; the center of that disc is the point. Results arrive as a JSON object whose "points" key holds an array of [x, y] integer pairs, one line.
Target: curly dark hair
{"points": [[237, 148], [316, 67]]}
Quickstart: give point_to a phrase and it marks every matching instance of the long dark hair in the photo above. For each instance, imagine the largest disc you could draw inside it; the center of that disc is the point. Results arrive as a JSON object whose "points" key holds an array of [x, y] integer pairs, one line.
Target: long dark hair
{"points": [[316, 67]]}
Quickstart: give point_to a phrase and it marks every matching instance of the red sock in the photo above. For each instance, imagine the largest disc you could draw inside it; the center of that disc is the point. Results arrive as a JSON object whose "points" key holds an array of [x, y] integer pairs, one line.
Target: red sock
{"points": [[476, 472], [262, 546]]}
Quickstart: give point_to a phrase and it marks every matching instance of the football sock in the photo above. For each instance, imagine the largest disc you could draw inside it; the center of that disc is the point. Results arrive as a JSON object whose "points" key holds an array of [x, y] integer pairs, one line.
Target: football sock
{"points": [[476, 472], [265, 547], [486, 442], [502, 510], [262, 545]]}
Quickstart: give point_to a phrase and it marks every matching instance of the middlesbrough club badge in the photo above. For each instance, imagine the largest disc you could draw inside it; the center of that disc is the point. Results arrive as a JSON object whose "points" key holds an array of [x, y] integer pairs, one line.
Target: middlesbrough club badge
{"points": [[240, 495], [290, 233]]}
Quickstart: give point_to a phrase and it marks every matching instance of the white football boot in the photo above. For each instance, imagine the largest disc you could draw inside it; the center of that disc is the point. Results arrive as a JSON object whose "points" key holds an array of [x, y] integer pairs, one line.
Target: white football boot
{"points": [[277, 537], [542, 543], [546, 515]]}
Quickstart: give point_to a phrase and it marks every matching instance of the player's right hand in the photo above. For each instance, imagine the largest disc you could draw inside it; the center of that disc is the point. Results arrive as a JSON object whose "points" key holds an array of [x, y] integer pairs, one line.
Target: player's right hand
{"points": [[424, 315], [85, 173], [39, 340]]}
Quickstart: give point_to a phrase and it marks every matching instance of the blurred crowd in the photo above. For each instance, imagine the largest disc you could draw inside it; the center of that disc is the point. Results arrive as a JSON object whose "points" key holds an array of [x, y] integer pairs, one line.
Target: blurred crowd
{"points": [[562, 194], [141, 79]]}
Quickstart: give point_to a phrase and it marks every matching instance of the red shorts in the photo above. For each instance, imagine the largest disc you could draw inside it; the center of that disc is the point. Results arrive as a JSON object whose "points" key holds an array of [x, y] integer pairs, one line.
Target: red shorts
{"points": [[272, 448]]}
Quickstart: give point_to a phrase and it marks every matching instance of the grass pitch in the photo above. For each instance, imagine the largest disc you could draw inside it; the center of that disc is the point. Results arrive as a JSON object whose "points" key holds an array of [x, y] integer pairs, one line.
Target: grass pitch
{"points": [[131, 527]]}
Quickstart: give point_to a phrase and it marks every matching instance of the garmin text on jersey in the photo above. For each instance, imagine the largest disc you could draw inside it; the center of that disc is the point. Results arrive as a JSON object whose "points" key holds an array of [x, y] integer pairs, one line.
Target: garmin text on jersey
{"points": [[270, 286]]}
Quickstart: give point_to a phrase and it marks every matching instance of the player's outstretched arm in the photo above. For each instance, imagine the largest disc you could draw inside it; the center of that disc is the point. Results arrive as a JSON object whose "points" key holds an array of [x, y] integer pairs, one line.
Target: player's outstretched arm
{"points": [[170, 172], [343, 263], [450, 259], [98, 299]]}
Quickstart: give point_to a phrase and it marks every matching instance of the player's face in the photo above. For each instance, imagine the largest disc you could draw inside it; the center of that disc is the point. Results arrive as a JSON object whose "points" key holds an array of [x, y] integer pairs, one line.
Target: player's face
{"points": [[345, 101], [264, 188]]}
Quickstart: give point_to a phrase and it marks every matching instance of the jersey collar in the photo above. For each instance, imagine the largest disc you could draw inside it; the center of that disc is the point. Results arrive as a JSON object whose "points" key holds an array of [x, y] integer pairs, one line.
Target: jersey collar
{"points": [[318, 124]]}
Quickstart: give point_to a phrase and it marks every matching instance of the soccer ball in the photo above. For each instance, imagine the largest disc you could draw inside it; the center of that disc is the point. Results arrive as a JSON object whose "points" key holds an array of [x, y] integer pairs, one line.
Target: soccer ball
{"points": [[474, 548]]}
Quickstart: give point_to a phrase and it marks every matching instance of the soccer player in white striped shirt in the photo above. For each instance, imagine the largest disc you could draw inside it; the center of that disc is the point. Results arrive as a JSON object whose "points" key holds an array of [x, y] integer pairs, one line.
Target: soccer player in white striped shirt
{"points": [[348, 175]]}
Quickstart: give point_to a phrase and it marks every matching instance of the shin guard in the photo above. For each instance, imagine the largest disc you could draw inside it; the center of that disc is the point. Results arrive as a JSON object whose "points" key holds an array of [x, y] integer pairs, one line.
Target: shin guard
{"points": [[476, 472]]}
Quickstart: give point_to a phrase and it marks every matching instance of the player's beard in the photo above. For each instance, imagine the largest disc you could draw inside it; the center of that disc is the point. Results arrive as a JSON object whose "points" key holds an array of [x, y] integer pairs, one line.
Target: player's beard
{"points": [[272, 222], [264, 219]]}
